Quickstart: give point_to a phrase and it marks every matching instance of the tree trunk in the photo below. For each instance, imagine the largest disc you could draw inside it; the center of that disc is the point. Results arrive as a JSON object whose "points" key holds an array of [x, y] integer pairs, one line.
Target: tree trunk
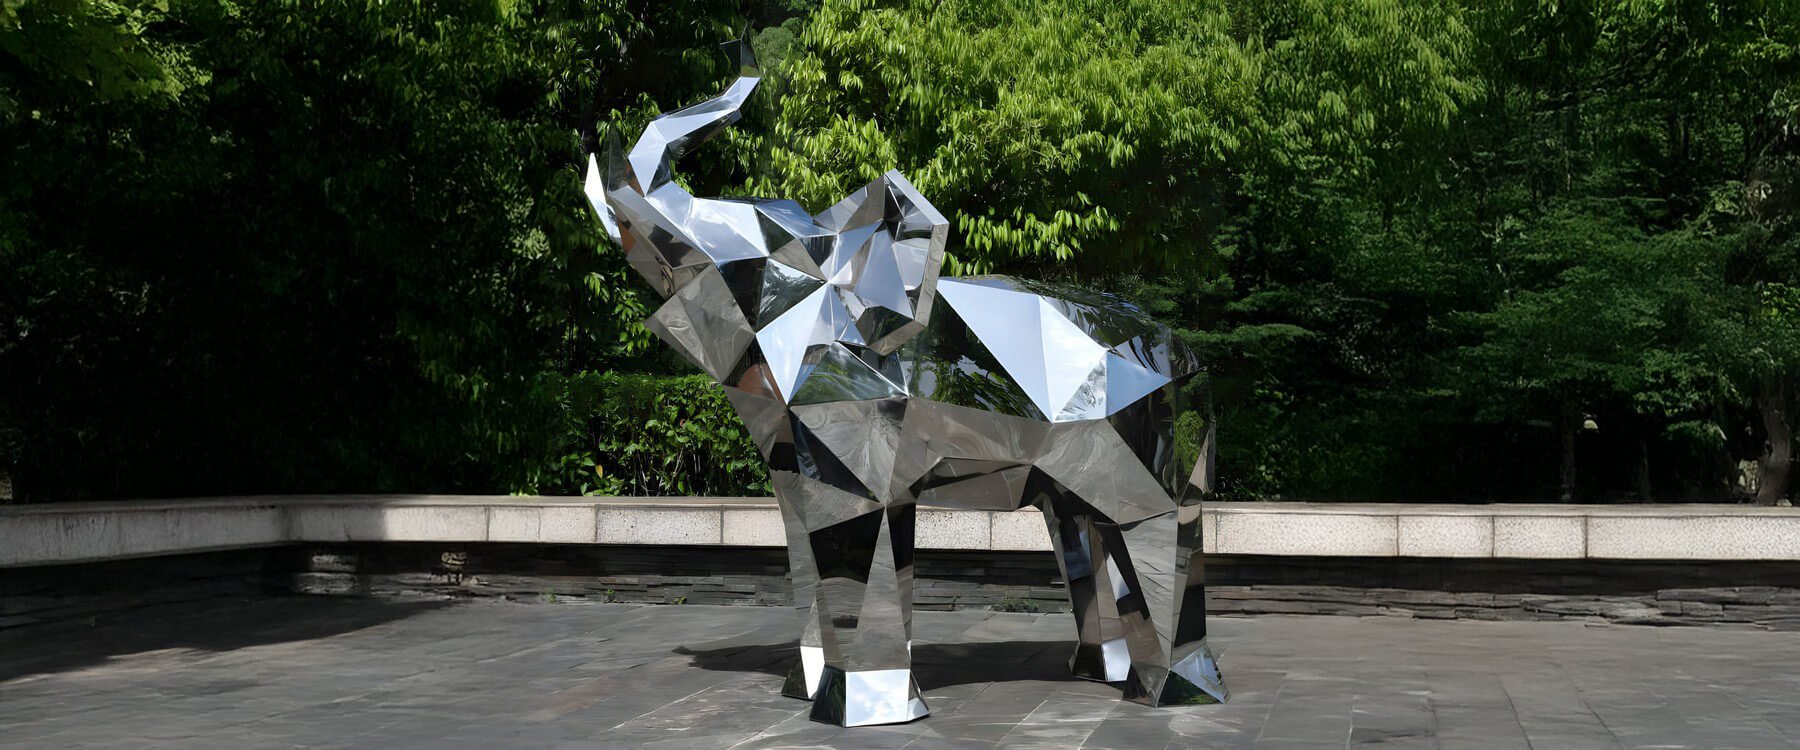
{"points": [[1773, 471], [1570, 426], [1643, 471]]}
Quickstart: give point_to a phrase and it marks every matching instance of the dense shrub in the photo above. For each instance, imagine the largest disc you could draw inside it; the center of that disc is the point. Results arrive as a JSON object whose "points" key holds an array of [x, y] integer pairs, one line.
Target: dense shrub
{"points": [[633, 434]]}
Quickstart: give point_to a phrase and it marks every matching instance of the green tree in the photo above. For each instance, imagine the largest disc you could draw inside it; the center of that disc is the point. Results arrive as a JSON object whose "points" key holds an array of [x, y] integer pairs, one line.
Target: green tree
{"points": [[1639, 237], [1104, 136], [1198, 155], [281, 247], [1422, 243]]}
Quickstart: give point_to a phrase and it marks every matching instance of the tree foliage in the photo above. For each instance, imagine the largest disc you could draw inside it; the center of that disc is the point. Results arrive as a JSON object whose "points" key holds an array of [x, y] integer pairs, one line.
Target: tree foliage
{"points": [[1432, 249], [1425, 243], [283, 246], [1103, 134]]}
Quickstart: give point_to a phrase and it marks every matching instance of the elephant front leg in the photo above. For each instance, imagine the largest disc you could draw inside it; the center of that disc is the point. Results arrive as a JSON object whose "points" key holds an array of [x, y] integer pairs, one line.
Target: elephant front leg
{"points": [[864, 616]]}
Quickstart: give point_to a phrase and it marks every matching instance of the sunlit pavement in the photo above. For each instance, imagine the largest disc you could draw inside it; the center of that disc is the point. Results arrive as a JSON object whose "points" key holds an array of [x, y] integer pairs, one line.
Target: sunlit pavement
{"points": [[323, 672]]}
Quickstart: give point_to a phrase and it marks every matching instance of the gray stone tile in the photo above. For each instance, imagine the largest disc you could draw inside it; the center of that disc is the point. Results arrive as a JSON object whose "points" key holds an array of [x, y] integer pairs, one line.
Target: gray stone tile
{"points": [[1310, 710], [1064, 719], [323, 673]]}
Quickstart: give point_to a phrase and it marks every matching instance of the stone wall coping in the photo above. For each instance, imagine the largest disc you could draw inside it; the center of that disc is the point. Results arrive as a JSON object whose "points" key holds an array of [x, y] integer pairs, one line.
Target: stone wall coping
{"points": [[46, 534], [288, 501], [1302, 507], [1504, 509]]}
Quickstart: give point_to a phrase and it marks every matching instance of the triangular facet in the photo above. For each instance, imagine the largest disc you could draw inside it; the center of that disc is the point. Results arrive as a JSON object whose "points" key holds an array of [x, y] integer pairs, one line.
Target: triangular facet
{"points": [[1070, 359], [1006, 322], [839, 375], [1088, 401], [818, 505], [784, 340], [1126, 382], [783, 286], [703, 324], [880, 280], [862, 435]]}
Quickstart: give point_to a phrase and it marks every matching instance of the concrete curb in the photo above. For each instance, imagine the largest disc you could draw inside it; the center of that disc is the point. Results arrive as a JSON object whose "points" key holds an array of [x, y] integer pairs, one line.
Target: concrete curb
{"points": [[60, 533]]}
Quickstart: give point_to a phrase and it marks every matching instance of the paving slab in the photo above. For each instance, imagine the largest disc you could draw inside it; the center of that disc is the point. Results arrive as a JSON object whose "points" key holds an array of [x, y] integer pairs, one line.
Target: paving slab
{"points": [[320, 672]]}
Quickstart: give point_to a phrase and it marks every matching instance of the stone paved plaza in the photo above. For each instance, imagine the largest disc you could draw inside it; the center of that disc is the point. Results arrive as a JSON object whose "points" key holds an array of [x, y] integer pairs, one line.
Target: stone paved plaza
{"points": [[343, 673]]}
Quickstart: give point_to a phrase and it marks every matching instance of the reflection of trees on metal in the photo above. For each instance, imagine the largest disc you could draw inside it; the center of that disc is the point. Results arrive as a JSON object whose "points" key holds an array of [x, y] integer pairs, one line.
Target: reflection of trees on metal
{"points": [[871, 385]]}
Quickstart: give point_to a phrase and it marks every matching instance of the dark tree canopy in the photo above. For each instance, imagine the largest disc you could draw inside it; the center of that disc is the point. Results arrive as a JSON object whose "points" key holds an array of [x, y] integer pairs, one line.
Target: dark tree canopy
{"points": [[1436, 250]]}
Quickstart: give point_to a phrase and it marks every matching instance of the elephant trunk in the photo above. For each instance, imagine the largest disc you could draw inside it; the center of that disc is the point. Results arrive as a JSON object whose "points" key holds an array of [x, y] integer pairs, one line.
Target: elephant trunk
{"points": [[648, 169]]}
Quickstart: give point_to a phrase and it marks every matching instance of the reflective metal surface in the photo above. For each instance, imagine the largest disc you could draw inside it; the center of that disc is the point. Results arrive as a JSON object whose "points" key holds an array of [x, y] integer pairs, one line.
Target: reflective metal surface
{"points": [[870, 386]]}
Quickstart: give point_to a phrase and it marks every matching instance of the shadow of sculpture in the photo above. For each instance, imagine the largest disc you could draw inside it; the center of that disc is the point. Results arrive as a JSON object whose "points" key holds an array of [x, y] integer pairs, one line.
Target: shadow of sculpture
{"points": [[934, 665], [216, 625]]}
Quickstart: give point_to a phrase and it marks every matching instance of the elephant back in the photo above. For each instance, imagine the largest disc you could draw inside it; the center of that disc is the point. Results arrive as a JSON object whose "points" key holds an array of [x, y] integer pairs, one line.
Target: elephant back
{"points": [[1042, 350]]}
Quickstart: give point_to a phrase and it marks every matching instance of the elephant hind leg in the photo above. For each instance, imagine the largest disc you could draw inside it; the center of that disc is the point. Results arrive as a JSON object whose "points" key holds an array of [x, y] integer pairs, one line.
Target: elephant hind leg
{"points": [[1163, 606], [1101, 653], [1138, 598]]}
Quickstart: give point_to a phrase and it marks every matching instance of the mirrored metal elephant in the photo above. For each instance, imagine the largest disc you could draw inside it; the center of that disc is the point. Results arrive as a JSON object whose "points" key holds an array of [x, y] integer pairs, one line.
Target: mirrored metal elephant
{"points": [[872, 386]]}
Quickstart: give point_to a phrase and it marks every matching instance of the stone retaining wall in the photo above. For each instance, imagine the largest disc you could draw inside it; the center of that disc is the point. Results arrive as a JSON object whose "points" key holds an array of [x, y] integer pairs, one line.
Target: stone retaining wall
{"points": [[78, 562], [1638, 593], [1760, 594]]}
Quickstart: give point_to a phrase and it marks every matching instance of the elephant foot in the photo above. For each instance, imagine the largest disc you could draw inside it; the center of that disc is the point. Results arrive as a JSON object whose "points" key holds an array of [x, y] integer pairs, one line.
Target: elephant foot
{"points": [[1193, 680], [867, 697], [803, 680], [1101, 662]]}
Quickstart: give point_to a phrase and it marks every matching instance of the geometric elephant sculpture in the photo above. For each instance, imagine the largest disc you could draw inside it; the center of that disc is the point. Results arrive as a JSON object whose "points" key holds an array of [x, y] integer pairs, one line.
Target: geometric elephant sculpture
{"points": [[872, 386]]}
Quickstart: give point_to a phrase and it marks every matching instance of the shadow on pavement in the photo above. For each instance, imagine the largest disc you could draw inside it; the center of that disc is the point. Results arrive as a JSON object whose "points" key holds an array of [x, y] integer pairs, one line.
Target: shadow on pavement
{"points": [[216, 626], [935, 665]]}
